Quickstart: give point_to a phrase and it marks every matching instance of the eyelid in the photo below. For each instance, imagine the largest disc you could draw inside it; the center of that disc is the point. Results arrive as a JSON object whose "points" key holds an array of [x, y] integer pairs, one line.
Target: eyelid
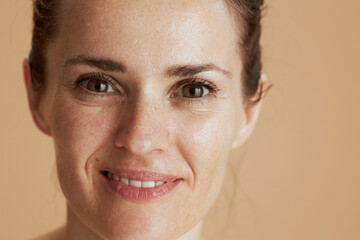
{"points": [[102, 76], [205, 90], [211, 87], [85, 84]]}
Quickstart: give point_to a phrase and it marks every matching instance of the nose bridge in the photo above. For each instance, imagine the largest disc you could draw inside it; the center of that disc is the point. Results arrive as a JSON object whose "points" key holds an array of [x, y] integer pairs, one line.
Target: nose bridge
{"points": [[144, 130]]}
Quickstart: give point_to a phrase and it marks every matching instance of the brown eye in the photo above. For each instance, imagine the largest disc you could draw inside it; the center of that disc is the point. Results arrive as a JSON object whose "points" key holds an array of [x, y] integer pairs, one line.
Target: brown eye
{"points": [[193, 91], [97, 85]]}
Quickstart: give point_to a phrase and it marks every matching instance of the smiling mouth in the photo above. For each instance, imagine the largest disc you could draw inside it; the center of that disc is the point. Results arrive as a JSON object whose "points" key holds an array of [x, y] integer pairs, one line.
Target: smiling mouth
{"points": [[139, 186], [133, 182]]}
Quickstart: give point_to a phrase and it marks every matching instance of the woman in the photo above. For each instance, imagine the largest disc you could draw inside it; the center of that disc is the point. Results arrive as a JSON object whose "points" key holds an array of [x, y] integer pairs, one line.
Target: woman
{"points": [[144, 101]]}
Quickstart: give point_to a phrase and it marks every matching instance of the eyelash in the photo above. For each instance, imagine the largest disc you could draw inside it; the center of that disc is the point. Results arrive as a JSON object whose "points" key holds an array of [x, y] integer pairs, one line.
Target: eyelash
{"points": [[94, 76], [211, 87]]}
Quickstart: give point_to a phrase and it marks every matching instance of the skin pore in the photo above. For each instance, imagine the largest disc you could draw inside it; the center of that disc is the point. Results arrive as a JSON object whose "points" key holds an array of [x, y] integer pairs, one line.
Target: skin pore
{"points": [[147, 58]]}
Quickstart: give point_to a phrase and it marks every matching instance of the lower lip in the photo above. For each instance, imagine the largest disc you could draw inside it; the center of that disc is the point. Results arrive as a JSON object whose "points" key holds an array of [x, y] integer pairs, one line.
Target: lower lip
{"points": [[141, 194]]}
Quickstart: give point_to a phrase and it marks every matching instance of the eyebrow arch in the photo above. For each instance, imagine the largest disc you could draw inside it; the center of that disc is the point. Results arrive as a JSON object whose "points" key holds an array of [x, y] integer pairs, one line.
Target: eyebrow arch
{"points": [[173, 71], [100, 63], [190, 70]]}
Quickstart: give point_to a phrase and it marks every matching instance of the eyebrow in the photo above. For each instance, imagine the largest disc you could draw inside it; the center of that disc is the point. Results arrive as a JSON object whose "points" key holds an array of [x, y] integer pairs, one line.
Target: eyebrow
{"points": [[190, 70], [173, 71], [100, 63]]}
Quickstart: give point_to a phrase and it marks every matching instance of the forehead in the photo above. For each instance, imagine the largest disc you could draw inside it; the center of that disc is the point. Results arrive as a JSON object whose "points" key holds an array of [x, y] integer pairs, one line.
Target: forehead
{"points": [[149, 31]]}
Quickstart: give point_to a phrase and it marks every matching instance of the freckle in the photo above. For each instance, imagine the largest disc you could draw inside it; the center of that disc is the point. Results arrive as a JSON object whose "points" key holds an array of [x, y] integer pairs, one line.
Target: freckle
{"points": [[97, 159]]}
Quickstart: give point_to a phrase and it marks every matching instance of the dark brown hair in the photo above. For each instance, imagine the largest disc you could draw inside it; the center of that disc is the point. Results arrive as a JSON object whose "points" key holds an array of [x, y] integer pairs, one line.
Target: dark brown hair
{"points": [[45, 18], [247, 14]]}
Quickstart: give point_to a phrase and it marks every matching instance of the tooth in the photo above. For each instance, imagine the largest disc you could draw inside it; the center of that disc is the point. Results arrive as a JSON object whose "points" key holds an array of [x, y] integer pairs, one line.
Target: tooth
{"points": [[135, 183], [159, 183], [124, 180], [109, 175], [116, 177], [147, 184]]}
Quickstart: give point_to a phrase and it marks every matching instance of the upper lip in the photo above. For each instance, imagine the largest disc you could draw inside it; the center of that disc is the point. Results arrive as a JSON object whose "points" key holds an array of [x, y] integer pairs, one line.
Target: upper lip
{"points": [[141, 175]]}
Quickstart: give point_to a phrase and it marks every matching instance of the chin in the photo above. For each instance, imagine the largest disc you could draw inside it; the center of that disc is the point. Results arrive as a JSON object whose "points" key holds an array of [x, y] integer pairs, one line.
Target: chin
{"points": [[131, 222]]}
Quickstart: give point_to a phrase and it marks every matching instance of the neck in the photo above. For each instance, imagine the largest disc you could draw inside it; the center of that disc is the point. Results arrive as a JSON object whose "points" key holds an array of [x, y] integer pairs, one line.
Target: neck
{"points": [[76, 230], [193, 234]]}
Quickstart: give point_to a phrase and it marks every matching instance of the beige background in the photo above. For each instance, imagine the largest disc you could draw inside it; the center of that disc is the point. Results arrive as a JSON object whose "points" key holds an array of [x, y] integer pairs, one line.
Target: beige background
{"points": [[298, 176]]}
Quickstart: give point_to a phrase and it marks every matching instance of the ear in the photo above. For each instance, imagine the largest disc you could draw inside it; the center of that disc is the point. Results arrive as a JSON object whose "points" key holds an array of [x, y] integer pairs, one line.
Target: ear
{"points": [[252, 113], [34, 100]]}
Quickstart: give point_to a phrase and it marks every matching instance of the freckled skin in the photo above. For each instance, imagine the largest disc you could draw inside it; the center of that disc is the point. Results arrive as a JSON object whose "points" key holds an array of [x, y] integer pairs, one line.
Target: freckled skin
{"points": [[143, 128]]}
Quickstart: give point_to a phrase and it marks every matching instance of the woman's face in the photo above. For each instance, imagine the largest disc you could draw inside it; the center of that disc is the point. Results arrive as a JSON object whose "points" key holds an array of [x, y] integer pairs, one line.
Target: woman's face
{"points": [[146, 91]]}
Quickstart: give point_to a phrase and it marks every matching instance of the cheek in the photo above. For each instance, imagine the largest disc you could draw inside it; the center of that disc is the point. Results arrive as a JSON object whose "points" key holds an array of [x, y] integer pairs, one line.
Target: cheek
{"points": [[205, 145], [78, 132]]}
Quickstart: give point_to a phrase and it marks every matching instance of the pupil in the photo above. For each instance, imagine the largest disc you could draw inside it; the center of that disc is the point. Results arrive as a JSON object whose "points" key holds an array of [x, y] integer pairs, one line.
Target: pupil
{"points": [[98, 86], [193, 91]]}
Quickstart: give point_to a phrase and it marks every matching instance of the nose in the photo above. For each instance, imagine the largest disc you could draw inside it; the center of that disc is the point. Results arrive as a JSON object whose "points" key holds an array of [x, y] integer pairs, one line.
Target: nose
{"points": [[144, 130]]}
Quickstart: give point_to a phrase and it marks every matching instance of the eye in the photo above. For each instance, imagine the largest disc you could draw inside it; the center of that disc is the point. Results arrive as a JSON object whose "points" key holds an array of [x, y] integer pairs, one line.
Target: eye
{"points": [[193, 90], [97, 85]]}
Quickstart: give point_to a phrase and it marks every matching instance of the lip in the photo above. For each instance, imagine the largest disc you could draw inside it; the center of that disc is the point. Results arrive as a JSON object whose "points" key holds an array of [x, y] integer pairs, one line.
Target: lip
{"points": [[142, 175], [141, 194]]}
